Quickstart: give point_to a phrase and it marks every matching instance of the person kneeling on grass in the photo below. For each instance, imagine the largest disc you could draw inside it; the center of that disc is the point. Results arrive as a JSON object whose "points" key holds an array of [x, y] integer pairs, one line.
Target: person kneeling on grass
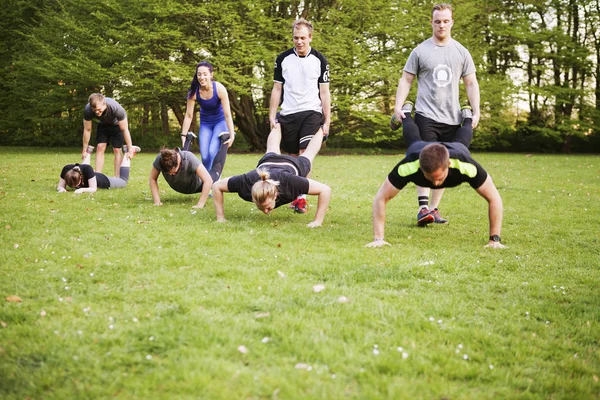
{"points": [[436, 165], [185, 173], [83, 179], [277, 180]]}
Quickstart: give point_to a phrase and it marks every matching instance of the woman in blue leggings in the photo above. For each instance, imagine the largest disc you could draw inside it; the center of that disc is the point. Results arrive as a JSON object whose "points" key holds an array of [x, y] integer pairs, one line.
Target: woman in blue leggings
{"points": [[216, 123]]}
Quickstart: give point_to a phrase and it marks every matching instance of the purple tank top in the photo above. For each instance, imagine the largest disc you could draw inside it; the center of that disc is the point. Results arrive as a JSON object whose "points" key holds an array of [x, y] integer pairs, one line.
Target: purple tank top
{"points": [[211, 110]]}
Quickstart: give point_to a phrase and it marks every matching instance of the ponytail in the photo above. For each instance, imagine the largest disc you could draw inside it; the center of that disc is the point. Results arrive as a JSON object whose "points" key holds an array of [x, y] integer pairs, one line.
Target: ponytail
{"points": [[265, 188]]}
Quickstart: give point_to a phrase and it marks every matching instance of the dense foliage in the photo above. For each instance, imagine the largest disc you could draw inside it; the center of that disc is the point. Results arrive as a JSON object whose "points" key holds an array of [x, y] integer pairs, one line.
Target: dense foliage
{"points": [[538, 65]]}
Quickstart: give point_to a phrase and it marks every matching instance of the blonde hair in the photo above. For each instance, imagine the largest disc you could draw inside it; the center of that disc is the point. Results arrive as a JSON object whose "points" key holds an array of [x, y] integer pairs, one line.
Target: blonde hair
{"points": [[264, 189], [441, 7], [302, 22], [96, 99]]}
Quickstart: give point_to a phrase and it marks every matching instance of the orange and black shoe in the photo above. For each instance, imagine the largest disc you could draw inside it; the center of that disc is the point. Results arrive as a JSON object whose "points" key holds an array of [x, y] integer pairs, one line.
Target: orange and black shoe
{"points": [[300, 206], [425, 217]]}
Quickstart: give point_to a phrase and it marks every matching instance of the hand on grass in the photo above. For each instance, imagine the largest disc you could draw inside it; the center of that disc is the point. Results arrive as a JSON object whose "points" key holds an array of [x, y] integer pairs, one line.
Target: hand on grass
{"points": [[62, 190], [314, 224], [222, 219], [378, 243], [495, 245], [198, 206], [159, 203], [78, 191]]}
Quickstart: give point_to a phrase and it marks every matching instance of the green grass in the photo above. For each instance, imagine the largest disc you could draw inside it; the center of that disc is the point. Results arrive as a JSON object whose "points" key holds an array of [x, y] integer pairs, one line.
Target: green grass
{"points": [[160, 298]]}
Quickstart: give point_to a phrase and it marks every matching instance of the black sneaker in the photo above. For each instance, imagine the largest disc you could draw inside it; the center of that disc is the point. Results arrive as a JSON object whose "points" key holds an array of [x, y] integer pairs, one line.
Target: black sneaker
{"points": [[224, 136], [437, 218], [190, 137]]}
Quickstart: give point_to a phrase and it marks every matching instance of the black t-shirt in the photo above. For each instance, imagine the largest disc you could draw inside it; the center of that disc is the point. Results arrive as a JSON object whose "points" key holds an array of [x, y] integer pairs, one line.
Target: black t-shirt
{"points": [[88, 173], [462, 168], [282, 168]]}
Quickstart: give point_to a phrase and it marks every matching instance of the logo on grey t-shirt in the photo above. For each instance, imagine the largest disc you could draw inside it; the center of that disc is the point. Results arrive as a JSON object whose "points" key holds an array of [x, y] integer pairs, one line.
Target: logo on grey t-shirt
{"points": [[442, 75]]}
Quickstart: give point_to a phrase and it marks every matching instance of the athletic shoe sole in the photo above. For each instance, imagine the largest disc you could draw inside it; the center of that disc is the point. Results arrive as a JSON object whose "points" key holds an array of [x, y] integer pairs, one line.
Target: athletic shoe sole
{"points": [[425, 220]]}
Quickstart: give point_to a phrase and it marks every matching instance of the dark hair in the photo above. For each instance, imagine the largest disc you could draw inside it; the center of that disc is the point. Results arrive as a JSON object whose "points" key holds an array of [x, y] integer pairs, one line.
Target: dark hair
{"points": [[73, 177], [433, 157], [195, 84], [168, 159]]}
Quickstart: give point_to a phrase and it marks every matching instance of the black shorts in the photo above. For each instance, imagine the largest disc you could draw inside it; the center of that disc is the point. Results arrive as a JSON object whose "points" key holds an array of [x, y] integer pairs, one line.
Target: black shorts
{"points": [[433, 131], [296, 165], [297, 129], [113, 132]]}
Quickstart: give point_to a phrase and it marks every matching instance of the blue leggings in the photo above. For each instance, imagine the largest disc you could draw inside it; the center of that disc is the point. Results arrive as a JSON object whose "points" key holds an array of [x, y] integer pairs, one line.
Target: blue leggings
{"points": [[209, 141]]}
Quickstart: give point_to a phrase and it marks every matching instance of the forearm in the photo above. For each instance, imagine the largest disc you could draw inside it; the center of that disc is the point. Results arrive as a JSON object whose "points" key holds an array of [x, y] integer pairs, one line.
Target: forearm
{"points": [[154, 190], [218, 202], [402, 93], [473, 95], [86, 190], [86, 138], [274, 104], [326, 105], [127, 137], [322, 204], [204, 194], [378, 218], [495, 214]]}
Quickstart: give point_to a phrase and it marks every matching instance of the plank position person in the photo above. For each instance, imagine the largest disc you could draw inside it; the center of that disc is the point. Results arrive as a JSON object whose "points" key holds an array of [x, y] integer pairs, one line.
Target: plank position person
{"points": [[84, 179], [278, 179], [185, 173], [437, 165]]}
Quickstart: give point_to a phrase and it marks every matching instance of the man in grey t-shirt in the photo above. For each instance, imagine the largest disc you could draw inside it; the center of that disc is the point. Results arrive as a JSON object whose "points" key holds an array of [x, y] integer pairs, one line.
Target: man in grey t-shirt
{"points": [[439, 63], [185, 173], [112, 126]]}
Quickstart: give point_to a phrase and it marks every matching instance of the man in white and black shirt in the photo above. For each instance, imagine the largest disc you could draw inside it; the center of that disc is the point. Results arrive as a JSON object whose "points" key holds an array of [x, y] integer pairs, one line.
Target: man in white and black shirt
{"points": [[302, 78]]}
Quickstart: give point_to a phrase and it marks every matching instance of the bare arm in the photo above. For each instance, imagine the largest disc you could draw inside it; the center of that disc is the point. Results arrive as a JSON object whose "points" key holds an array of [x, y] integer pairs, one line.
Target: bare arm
{"points": [[153, 182], [206, 185], [87, 133], [275, 99], [187, 120], [489, 192], [224, 97], [218, 188], [92, 187], [324, 193], [472, 88], [274, 140], [326, 105], [386, 192], [124, 126], [62, 186], [402, 93]]}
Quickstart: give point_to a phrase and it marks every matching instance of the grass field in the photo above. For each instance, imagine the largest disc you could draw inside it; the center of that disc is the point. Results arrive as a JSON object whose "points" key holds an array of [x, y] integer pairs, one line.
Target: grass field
{"points": [[125, 300]]}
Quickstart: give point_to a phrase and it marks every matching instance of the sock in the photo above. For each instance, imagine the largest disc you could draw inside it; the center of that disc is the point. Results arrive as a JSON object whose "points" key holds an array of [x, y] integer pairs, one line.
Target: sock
{"points": [[423, 202]]}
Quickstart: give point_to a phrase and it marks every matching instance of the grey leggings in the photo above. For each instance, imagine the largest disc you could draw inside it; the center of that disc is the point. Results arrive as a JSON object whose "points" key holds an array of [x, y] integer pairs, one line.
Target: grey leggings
{"points": [[121, 181]]}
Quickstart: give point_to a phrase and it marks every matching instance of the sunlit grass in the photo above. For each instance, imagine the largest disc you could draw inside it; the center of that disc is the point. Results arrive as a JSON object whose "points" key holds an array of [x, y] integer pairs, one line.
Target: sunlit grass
{"points": [[121, 299]]}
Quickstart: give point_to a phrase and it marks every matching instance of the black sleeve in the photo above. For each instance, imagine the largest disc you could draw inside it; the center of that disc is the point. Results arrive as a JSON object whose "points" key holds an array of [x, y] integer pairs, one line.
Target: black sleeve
{"points": [[242, 184], [87, 171]]}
